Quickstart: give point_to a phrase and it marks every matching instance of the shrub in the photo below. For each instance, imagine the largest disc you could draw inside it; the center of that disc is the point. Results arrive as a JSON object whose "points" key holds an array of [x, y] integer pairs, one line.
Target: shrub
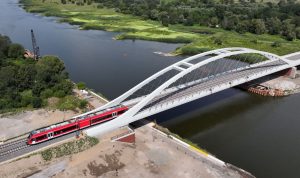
{"points": [[276, 44], [254, 41], [190, 50], [83, 104], [26, 97], [36, 102], [81, 85], [47, 155], [218, 41], [59, 94], [68, 103], [69, 148], [47, 93]]}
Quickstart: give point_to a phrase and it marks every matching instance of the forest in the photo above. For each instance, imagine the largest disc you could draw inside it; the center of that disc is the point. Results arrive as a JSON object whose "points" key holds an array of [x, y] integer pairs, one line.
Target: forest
{"points": [[275, 18], [28, 82]]}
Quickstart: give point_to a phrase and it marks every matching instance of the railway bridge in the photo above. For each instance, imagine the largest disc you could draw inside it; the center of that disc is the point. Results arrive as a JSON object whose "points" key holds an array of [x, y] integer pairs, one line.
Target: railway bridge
{"points": [[193, 78], [187, 80]]}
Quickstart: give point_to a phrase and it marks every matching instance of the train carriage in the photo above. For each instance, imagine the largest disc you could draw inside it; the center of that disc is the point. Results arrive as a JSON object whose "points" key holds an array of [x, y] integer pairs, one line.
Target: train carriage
{"points": [[74, 124]]}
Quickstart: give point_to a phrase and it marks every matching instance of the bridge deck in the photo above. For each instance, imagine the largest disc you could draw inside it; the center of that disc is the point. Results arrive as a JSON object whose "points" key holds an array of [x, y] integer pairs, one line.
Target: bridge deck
{"points": [[293, 56], [208, 84]]}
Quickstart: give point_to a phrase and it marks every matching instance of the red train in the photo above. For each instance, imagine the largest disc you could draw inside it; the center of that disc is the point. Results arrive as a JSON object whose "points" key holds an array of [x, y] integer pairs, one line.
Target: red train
{"points": [[75, 124]]}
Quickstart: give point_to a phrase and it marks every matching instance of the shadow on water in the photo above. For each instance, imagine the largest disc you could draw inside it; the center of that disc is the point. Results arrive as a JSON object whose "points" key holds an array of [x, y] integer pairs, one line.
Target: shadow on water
{"points": [[209, 111]]}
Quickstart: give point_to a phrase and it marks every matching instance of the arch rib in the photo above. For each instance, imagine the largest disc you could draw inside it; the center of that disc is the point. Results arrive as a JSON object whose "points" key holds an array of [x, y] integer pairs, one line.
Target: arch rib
{"points": [[221, 53]]}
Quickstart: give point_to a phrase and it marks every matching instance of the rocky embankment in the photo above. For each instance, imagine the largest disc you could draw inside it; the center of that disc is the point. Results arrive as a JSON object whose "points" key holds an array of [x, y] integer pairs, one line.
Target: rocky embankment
{"points": [[280, 85]]}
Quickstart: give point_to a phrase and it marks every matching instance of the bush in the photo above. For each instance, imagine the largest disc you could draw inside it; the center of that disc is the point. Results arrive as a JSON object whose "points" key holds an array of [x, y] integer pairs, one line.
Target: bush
{"points": [[59, 94], [218, 41], [26, 97], [191, 50], [276, 44], [81, 85], [69, 148], [36, 102], [47, 93], [68, 103], [47, 155], [83, 104], [100, 6], [254, 41]]}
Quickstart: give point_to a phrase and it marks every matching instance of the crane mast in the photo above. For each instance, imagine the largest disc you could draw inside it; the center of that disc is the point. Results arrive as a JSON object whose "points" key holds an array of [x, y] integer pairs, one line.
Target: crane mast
{"points": [[36, 49]]}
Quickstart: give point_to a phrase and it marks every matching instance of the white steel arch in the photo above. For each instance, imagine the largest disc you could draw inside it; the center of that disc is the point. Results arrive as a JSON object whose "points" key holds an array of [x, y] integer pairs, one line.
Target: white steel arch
{"points": [[128, 116], [218, 52]]}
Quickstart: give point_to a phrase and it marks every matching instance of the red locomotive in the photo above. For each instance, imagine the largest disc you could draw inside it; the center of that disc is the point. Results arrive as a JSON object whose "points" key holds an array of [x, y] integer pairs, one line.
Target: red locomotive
{"points": [[74, 124]]}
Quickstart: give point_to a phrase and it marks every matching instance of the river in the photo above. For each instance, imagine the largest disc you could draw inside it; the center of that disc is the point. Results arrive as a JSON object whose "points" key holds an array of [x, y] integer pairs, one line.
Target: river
{"points": [[258, 134]]}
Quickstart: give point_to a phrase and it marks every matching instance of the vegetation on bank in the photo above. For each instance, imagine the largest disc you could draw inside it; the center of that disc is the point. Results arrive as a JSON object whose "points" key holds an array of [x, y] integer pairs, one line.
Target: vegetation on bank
{"points": [[169, 133], [258, 17], [29, 83], [69, 148], [99, 15]]}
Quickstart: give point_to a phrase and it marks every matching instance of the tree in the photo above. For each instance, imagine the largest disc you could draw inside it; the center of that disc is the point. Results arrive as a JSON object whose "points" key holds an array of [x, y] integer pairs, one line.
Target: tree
{"points": [[25, 76], [258, 26], [281, 3], [288, 30], [154, 14], [49, 70], [273, 25], [189, 21], [164, 18], [15, 51], [296, 21], [7, 77], [298, 32], [242, 27], [214, 22], [4, 44]]}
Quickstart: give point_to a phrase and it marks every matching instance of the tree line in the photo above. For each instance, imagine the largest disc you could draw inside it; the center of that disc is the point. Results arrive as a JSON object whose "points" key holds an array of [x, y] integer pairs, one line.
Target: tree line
{"points": [[29, 82], [276, 18]]}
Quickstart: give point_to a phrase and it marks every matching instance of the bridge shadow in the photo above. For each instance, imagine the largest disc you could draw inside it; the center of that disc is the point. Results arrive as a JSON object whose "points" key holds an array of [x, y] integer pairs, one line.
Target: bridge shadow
{"points": [[214, 109], [209, 111]]}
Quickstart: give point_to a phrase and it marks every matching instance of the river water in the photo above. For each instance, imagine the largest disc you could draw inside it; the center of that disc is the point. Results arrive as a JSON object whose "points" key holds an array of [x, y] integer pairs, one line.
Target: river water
{"points": [[258, 134]]}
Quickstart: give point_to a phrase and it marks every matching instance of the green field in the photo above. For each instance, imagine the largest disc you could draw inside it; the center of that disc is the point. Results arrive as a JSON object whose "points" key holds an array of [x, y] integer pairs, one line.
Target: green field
{"points": [[197, 38]]}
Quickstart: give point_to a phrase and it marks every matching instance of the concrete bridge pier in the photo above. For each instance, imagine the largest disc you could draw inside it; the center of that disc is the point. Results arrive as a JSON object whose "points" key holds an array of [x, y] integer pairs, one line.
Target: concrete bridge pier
{"points": [[291, 72]]}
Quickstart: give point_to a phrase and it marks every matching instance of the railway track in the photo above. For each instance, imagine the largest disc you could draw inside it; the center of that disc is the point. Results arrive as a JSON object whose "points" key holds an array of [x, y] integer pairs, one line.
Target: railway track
{"points": [[19, 147], [12, 143], [12, 147], [4, 153]]}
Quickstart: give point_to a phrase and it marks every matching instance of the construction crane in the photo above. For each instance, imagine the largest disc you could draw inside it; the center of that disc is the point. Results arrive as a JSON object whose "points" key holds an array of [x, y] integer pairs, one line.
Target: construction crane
{"points": [[36, 49]]}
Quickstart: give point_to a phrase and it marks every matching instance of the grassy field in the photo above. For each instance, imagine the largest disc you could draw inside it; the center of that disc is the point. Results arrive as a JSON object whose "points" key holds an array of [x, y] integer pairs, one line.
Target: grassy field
{"points": [[197, 38]]}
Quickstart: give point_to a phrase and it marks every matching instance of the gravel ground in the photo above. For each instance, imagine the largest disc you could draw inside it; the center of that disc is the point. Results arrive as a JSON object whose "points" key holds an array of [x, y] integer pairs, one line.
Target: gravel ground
{"points": [[24, 122], [284, 83], [153, 155]]}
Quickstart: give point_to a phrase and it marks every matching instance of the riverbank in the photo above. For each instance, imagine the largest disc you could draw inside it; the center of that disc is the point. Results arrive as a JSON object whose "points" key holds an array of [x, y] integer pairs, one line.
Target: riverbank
{"points": [[279, 84], [197, 38], [153, 152], [152, 155]]}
